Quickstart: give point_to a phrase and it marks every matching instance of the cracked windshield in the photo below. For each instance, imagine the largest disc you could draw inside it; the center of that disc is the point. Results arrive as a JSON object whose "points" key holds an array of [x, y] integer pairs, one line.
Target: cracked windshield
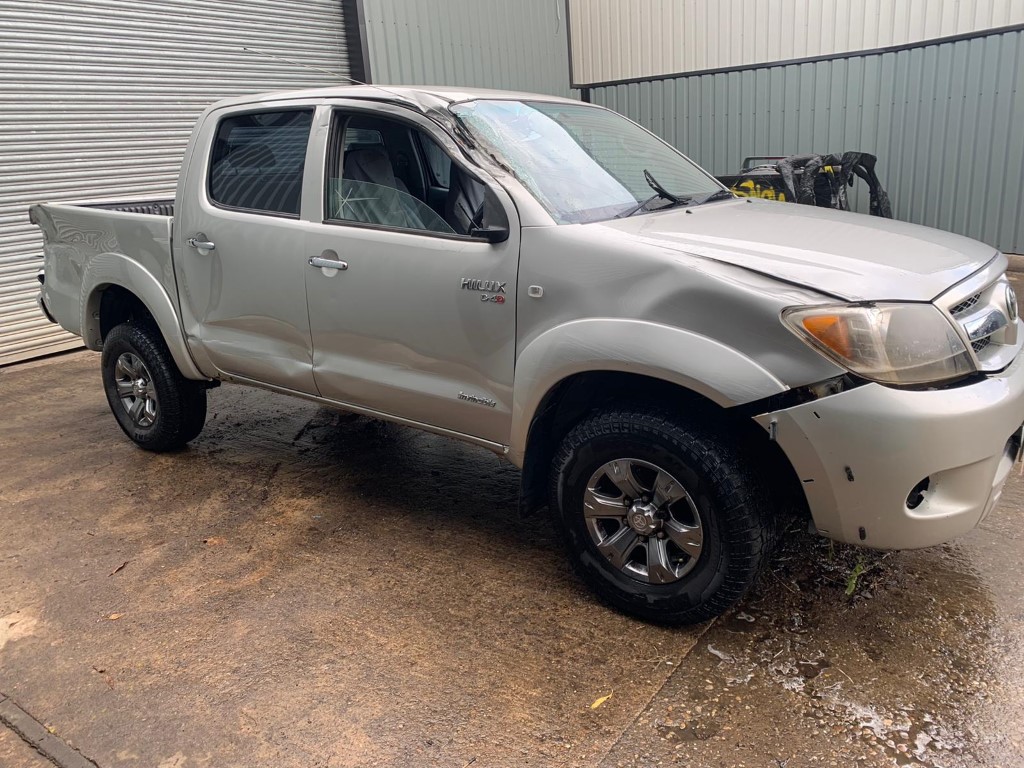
{"points": [[550, 146]]}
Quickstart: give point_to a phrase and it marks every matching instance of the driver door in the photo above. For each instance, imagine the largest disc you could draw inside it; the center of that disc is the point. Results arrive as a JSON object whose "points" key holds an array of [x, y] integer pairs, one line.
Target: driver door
{"points": [[409, 315]]}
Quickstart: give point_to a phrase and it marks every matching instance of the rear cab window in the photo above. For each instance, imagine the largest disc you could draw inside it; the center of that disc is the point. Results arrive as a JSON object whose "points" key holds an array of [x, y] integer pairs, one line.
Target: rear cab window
{"points": [[257, 161]]}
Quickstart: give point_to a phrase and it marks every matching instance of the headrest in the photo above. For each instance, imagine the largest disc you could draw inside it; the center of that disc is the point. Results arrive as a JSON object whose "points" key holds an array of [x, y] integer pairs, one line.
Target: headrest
{"points": [[370, 165]]}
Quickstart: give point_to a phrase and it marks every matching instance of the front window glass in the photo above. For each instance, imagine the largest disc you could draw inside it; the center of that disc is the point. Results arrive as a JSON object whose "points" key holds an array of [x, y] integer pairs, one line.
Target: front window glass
{"points": [[582, 163], [371, 179]]}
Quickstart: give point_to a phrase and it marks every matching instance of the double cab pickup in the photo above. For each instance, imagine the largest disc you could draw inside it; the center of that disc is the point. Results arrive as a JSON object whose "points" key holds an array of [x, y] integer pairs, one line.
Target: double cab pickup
{"points": [[675, 370]]}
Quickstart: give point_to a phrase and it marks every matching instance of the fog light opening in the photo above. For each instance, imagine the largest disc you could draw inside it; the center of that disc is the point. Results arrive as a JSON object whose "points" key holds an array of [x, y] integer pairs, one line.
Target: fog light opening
{"points": [[916, 495], [1013, 445]]}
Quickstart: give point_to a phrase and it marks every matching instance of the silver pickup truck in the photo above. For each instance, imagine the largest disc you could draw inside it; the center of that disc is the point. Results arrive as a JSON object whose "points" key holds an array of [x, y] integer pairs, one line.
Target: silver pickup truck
{"points": [[674, 369]]}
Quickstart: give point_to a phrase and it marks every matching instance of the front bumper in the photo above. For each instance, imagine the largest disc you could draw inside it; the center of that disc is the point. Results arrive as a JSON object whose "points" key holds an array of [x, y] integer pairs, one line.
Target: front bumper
{"points": [[859, 455]]}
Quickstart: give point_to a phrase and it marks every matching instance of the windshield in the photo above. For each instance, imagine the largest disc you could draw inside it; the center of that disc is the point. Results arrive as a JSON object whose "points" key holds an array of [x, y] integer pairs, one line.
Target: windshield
{"points": [[582, 163]]}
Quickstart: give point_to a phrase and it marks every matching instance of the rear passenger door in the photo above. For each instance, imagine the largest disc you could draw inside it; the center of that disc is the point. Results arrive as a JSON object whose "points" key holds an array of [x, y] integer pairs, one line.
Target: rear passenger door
{"points": [[244, 298]]}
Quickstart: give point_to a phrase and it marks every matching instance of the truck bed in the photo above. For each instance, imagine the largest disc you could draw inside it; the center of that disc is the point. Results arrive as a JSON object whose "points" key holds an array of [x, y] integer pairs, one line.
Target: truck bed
{"points": [[87, 242], [149, 207]]}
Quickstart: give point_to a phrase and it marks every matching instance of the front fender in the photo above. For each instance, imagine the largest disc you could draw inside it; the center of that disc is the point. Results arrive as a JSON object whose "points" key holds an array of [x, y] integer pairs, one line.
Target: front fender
{"points": [[694, 362], [107, 269]]}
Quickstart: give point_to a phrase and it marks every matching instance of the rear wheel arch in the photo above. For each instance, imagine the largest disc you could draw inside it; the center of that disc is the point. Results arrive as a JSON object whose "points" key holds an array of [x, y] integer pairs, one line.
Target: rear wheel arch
{"points": [[108, 304], [111, 305]]}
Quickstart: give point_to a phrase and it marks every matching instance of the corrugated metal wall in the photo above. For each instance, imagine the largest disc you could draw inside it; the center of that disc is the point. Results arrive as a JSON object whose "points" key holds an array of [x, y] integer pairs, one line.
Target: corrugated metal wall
{"points": [[624, 39], [947, 122], [97, 99], [521, 45]]}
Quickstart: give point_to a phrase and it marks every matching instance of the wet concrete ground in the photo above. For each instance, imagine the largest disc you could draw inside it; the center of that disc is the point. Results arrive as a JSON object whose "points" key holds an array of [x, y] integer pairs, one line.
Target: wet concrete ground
{"points": [[307, 588]]}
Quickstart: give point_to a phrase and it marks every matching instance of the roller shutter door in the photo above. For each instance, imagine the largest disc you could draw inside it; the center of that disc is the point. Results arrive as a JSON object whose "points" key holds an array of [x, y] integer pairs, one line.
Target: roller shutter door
{"points": [[97, 98]]}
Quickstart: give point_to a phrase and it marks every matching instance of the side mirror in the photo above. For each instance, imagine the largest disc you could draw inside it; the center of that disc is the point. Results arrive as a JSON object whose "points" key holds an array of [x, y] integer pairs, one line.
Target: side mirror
{"points": [[491, 233]]}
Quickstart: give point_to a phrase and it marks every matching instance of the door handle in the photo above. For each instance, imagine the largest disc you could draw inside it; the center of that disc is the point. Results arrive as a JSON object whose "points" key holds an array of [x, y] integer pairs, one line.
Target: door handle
{"points": [[200, 243], [320, 261]]}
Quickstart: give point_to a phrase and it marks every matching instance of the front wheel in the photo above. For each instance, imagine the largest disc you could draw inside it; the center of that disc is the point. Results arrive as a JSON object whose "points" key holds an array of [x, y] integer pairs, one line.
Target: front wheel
{"points": [[663, 518], [157, 407]]}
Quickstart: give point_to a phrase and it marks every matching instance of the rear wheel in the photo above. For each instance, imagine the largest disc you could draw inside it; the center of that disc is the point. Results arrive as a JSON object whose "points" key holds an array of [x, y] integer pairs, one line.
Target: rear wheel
{"points": [[157, 407], [664, 519]]}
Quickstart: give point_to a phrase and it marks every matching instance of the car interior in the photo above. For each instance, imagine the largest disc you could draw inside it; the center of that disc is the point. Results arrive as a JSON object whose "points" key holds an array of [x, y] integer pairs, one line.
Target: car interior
{"points": [[395, 175]]}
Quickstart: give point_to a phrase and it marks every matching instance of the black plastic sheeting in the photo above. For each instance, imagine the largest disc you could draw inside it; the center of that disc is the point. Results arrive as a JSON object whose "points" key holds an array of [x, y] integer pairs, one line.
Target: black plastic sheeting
{"points": [[812, 179]]}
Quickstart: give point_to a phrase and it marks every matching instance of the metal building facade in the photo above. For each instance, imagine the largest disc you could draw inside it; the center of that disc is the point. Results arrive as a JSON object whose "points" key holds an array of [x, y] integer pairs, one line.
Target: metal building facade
{"points": [[521, 45], [946, 120], [626, 39], [97, 100]]}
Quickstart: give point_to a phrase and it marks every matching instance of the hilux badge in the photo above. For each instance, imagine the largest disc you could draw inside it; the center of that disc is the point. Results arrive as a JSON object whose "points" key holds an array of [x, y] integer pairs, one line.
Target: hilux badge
{"points": [[490, 286], [490, 290]]}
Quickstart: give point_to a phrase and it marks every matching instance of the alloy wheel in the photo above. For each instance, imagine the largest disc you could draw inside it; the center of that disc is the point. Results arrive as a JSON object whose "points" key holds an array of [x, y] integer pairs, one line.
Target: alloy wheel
{"points": [[643, 521], [136, 390]]}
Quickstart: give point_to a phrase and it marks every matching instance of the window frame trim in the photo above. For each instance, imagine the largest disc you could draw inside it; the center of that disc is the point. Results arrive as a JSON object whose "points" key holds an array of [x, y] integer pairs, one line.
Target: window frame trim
{"points": [[311, 109]]}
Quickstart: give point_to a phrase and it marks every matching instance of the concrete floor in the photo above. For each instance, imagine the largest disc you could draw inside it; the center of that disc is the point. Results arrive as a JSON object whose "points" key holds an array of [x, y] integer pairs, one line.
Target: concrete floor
{"points": [[307, 588]]}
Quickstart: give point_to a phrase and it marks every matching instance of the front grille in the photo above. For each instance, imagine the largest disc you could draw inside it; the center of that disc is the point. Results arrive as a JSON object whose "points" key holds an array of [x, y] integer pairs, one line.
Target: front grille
{"points": [[984, 313], [965, 305]]}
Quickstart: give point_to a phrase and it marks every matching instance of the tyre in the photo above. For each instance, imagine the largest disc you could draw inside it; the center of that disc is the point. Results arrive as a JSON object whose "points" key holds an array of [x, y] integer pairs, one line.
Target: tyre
{"points": [[664, 519], [157, 407]]}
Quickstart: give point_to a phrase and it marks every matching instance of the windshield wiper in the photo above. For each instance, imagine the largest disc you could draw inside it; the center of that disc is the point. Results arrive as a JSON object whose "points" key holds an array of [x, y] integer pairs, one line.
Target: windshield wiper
{"points": [[659, 192], [718, 194]]}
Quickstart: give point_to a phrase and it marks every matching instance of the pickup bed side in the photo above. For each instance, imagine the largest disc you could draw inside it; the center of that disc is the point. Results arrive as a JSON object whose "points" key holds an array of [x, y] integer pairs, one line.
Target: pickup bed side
{"points": [[90, 249]]}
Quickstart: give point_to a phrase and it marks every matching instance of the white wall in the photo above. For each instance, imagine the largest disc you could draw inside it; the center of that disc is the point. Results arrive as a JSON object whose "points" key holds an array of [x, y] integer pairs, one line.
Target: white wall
{"points": [[622, 39]]}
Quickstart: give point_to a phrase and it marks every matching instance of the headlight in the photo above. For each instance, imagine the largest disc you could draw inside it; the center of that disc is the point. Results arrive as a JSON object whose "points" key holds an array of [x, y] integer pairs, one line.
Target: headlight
{"points": [[900, 344]]}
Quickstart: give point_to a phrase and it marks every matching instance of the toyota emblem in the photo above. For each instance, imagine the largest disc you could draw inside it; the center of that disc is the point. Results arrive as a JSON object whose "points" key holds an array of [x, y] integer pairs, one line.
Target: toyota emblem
{"points": [[1011, 303]]}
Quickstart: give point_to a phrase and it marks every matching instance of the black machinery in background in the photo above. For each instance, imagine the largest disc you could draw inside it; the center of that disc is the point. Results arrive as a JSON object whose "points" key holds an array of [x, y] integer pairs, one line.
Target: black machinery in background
{"points": [[820, 180]]}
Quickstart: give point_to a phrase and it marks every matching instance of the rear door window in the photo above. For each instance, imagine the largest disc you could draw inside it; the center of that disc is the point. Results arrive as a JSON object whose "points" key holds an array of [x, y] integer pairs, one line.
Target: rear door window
{"points": [[258, 160]]}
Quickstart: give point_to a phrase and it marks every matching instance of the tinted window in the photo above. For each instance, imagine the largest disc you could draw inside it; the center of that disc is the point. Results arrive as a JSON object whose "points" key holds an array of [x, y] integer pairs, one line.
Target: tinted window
{"points": [[258, 159]]}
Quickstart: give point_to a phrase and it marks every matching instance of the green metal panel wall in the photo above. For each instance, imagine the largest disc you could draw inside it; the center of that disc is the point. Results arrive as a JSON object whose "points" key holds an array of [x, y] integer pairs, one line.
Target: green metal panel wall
{"points": [[483, 43], [946, 121]]}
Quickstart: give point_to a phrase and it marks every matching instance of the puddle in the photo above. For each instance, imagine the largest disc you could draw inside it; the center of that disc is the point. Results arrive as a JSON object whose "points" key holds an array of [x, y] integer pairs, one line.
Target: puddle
{"points": [[884, 668]]}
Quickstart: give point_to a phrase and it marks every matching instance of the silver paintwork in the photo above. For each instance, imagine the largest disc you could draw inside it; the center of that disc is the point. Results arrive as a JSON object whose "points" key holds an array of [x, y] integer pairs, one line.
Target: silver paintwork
{"points": [[643, 521], [89, 249], [892, 439], [691, 297]]}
